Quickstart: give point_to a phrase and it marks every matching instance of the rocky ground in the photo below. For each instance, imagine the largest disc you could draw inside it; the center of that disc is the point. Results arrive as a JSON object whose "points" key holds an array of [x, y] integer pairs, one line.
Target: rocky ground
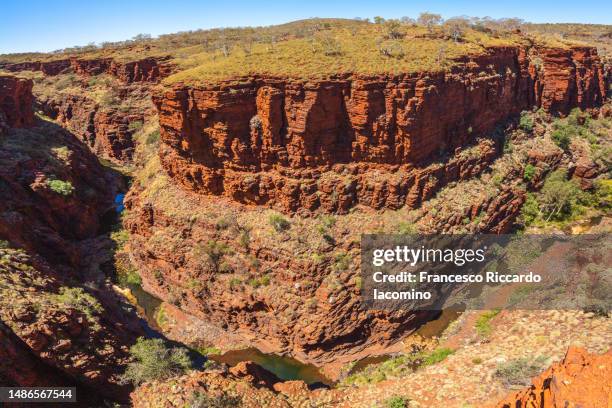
{"points": [[466, 378]]}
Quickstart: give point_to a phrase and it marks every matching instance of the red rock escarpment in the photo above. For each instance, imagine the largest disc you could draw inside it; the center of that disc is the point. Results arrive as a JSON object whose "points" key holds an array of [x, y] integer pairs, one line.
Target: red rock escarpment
{"points": [[15, 102], [49, 244], [104, 128], [149, 69], [291, 144], [49, 331], [580, 380], [106, 131], [46, 67]]}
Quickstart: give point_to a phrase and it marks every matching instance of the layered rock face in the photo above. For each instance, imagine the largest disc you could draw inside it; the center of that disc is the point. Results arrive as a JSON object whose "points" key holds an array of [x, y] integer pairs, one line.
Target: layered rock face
{"points": [[318, 145], [15, 102], [53, 330], [150, 69], [46, 67], [144, 70], [580, 380], [106, 131], [382, 142]]}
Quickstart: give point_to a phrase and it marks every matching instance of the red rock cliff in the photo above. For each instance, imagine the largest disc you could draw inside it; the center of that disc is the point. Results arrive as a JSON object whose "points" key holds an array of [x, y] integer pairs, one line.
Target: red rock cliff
{"points": [[580, 380], [46, 67], [149, 69], [291, 144], [144, 70], [15, 102]]}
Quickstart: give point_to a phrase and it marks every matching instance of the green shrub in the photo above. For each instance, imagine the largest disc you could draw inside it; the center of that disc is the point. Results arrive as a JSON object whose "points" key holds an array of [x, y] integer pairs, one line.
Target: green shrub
{"points": [[529, 172], [483, 323], [518, 372], [526, 122], [61, 187], [406, 228], [559, 197], [530, 209], [154, 360], [261, 281], [559, 200], [209, 351], [397, 402], [62, 153], [342, 261], [153, 137], [562, 138], [279, 223], [224, 400], [437, 355], [328, 221], [214, 251], [223, 223], [234, 282], [120, 236], [129, 277], [80, 300], [135, 126]]}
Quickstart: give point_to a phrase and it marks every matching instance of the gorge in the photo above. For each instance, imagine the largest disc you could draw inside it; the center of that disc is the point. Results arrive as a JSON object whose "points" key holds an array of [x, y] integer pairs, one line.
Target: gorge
{"points": [[246, 197]]}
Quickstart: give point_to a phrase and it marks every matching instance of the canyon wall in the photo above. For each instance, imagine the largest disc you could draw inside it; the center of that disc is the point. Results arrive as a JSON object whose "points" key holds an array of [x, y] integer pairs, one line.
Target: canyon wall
{"points": [[149, 69], [54, 329], [326, 146], [318, 145], [105, 130], [15, 102]]}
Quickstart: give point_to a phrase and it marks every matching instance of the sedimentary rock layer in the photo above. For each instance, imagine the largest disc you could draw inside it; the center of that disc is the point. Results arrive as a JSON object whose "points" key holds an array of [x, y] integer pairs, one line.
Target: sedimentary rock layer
{"points": [[15, 102], [315, 144], [55, 194], [150, 69]]}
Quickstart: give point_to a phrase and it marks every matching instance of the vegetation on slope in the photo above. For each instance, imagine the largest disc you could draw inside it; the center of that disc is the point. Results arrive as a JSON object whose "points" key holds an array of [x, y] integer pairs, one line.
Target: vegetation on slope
{"points": [[320, 47]]}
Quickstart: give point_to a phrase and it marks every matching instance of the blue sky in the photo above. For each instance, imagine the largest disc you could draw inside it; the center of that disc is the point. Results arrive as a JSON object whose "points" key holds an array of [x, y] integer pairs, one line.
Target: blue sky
{"points": [[49, 25]]}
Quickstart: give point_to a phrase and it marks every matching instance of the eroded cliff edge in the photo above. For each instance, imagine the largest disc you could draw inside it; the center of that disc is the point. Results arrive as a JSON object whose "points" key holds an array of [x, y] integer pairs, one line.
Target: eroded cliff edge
{"points": [[346, 145], [60, 322], [310, 146]]}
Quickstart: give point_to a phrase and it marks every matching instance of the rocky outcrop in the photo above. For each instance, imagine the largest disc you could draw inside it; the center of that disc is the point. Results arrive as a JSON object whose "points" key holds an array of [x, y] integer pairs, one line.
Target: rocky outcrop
{"points": [[571, 78], [55, 196], [149, 69], [55, 67], [316, 145], [42, 220], [254, 374], [213, 389], [105, 129], [580, 380], [61, 329], [15, 102]]}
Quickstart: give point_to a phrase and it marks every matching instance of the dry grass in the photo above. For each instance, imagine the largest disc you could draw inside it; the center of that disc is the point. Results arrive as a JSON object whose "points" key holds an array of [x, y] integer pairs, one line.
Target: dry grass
{"points": [[316, 48], [358, 49]]}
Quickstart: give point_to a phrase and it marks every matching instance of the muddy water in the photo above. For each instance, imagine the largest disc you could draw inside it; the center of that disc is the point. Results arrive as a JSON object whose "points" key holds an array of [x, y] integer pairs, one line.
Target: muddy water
{"points": [[285, 368]]}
